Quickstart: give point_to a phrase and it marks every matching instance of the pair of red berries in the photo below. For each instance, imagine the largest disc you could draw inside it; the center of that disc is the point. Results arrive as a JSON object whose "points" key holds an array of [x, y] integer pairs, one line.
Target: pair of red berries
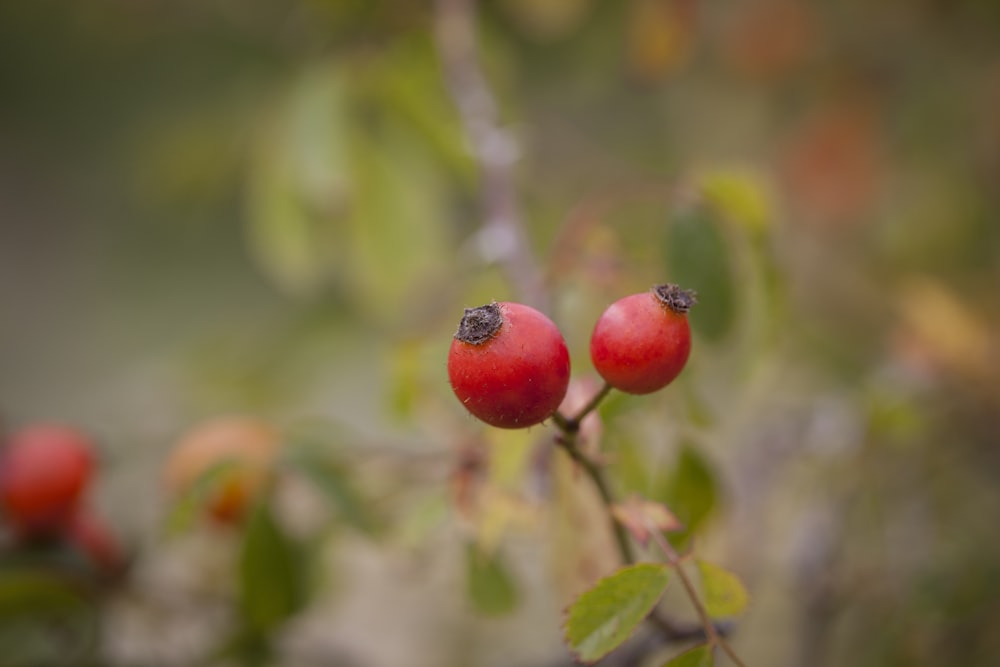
{"points": [[509, 365]]}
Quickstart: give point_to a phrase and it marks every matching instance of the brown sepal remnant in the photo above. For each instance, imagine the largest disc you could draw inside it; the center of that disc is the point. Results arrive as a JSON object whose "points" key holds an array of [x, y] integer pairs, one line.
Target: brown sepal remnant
{"points": [[480, 324], [675, 298]]}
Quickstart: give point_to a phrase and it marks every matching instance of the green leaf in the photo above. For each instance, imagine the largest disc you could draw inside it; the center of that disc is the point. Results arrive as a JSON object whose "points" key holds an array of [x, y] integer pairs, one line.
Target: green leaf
{"points": [[724, 594], [300, 185], [25, 592], [606, 615], [491, 588], [698, 258], [741, 195], [272, 585], [408, 83], [189, 505], [699, 656], [399, 241], [334, 480], [43, 618], [690, 491]]}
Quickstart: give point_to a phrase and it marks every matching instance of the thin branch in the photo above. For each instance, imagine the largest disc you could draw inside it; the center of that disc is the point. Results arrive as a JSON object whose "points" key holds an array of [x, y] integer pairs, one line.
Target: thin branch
{"points": [[572, 424], [502, 237], [714, 637], [569, 443], [667, 628]]}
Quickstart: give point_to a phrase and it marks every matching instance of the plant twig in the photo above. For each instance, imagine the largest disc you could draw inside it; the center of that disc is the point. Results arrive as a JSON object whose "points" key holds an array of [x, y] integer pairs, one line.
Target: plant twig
{"points": [[713, 635], [669, 629], [572, 424], [502, 237], [568, 441]]}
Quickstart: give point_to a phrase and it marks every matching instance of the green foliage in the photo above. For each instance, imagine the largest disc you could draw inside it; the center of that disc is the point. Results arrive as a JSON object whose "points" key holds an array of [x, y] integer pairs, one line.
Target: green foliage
{"points": [[698, 259], [347, 181], [300, 182], [699, 656], [189, 506], [334, 480], [740, 196], [691, 492], [276, 194], [44, 617], [272, 576], [607, 614], [491, 589], [723, 592]]}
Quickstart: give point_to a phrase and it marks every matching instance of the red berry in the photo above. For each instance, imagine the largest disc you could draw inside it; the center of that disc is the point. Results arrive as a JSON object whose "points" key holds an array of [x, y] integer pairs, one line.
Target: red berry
{"points": [[508, 365], [44, 471], [641, 342]]}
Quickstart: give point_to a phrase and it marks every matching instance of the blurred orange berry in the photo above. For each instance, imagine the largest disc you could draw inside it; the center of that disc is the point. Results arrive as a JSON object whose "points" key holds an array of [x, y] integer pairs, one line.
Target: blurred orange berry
{"points": [[242, 448]]}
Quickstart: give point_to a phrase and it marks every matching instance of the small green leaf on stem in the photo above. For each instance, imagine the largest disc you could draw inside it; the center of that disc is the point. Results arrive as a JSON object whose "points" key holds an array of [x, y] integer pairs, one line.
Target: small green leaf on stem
{"points": [[605, 616], [724, 593], [699, 656]]}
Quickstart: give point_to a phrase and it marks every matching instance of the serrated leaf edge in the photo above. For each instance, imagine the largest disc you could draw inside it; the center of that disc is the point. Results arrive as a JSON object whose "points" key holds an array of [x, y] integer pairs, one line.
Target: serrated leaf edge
{"points": [[566, 610]]}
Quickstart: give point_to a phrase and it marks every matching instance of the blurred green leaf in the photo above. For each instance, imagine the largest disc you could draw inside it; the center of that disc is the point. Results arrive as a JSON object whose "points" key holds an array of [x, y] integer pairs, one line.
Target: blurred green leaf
{"points": [[723, 592], [699, 656], [27, 592], [421, 517], [399, 241], [272, 577], [741, 195], [333, 479], [606, 615], [698, 258], [631, 469], [547, 19], [491, 588], [44, 620], [300, 182], [408, 82], [690, 491], [189, 506]]}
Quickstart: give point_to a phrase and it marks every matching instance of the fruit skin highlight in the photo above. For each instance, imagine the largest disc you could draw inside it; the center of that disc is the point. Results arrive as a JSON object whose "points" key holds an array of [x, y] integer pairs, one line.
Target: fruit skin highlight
{"points": [[641, 342], [243, 449], [508, 365], [45, 470]]}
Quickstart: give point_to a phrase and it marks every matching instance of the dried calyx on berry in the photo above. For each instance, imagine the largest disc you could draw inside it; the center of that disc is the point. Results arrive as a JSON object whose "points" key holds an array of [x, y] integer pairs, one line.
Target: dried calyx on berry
{"points": [[480, 324], [675, 297]]}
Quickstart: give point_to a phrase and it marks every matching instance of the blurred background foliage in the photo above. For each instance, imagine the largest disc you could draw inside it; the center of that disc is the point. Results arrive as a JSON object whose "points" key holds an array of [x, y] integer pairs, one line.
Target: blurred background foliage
{"points": [[270, 207]]}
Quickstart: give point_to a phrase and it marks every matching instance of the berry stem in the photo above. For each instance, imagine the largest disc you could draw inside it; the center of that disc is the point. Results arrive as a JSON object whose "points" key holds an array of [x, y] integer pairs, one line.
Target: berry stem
{"points": [[669, 629], [572, 424], [568, 441], [711, 632]]}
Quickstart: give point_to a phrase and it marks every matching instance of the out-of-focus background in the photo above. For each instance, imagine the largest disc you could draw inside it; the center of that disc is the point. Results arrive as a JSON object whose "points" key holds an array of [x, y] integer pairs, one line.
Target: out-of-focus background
{"points": [[271, 208]]}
